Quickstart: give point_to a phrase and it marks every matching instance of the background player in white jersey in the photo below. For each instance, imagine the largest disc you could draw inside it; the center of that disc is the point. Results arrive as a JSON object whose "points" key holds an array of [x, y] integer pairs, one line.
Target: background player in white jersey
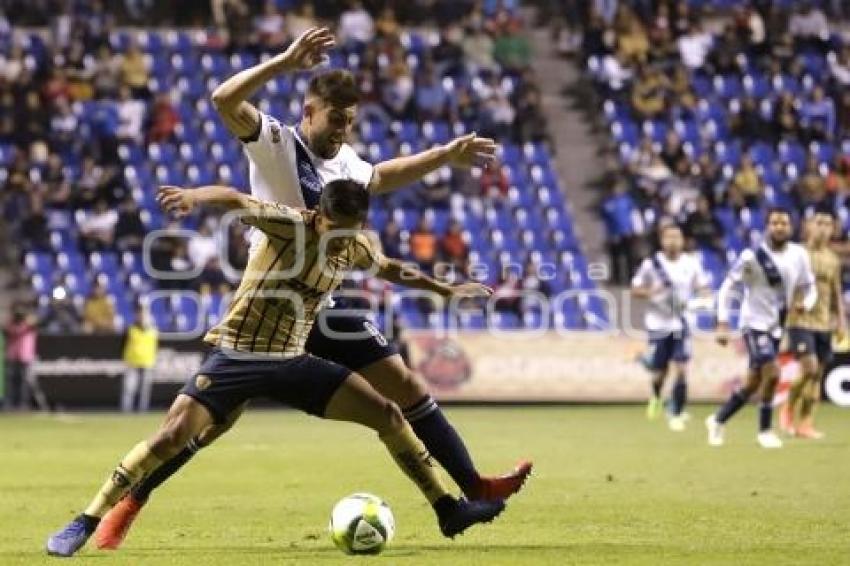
{"points": [[774, 276], [669, 279], [290, 165]]}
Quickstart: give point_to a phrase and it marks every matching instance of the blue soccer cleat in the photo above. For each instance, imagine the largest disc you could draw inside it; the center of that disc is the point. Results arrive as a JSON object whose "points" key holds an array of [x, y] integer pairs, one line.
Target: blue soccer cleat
{"points": [[70, 539], [468, 513]]}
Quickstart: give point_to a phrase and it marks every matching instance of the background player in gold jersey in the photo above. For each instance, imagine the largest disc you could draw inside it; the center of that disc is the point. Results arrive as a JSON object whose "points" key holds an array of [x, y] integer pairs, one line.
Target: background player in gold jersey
{"points": [[258, 348], [810, 333]]}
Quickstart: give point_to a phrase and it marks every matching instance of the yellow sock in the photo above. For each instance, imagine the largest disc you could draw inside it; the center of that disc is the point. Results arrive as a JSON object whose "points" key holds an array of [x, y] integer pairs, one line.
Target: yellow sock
{"points": [[138, 462], [412, 457]]}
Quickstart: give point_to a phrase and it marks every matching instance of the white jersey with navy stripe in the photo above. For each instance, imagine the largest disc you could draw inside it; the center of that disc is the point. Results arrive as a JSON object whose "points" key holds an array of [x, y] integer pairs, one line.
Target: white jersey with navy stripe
{"points": [[283, 169], [761, 303], [665, 311]]}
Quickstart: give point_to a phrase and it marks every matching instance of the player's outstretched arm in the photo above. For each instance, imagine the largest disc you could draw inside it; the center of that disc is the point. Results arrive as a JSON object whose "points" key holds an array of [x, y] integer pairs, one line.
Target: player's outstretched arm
{"points": [[180, 202], [410, 276], [230, 97], [460, 152]]}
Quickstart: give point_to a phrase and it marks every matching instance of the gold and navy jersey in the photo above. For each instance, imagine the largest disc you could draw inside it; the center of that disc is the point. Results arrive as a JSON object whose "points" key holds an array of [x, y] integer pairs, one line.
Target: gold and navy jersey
{"points": [[288, 277], [827, 269]]}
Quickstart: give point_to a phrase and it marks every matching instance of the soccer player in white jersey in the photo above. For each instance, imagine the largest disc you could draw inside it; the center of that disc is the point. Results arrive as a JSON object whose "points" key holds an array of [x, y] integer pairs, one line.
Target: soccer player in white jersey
{"points": [[290, 165], [669, 279], [774, 276]]}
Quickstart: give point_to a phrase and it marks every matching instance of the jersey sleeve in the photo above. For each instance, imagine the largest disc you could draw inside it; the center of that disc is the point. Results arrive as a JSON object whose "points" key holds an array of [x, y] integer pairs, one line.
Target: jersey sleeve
{"points": [[273, 218], [367, 255], [742, 266], [358, 169], [266, 143], [643, 277], [702, 279]]}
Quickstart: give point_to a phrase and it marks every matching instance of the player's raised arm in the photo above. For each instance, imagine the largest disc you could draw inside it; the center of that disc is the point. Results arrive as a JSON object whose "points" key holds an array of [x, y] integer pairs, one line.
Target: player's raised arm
{"points": [[402, 171], [230, 97]]}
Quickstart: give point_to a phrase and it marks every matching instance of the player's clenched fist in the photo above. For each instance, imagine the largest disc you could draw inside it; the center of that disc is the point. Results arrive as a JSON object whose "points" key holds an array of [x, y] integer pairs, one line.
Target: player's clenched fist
{"points": [[175, 201]]}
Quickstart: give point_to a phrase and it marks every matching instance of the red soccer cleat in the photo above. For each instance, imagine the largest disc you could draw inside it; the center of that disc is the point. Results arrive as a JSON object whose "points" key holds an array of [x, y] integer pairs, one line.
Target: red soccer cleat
{"points": [[113, 528], [502, 487]]}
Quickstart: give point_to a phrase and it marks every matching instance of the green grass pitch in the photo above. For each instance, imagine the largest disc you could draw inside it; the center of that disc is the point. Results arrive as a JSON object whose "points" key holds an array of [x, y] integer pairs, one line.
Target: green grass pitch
{"points": [[609, 488]]}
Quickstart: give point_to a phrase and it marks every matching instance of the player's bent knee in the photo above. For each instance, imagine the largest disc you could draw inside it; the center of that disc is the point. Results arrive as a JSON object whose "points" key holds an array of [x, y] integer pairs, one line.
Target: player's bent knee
{"points": [[172, 437], [393, 417]]}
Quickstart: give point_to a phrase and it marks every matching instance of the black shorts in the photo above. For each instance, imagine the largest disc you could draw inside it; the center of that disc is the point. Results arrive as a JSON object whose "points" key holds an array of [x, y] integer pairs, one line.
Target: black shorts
{"points": [[802, 342], [349, 339], [224, 382]]}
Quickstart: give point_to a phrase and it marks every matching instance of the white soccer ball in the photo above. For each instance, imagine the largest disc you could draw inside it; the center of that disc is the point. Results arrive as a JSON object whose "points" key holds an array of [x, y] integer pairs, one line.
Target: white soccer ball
{"points": [[362, 523]]}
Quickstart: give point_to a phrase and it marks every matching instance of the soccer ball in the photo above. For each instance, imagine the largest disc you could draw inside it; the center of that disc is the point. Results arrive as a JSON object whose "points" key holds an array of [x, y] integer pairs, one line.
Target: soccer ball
{"points": [[361, 524]]}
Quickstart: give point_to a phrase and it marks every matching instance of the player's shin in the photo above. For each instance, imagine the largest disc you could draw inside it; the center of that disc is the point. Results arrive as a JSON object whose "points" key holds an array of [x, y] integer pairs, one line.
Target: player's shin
{"points": [[770, 375], [141, 491], [139, 462], [414, 460], [444, 443], [680, 393]]}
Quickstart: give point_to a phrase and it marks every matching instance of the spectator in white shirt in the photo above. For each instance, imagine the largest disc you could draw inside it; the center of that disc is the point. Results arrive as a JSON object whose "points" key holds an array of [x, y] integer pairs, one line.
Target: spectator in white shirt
{"points": [[356, 24], [694, 46], [131, 114], [271, 26], [809, 27], [202, 246], [97, 230]]}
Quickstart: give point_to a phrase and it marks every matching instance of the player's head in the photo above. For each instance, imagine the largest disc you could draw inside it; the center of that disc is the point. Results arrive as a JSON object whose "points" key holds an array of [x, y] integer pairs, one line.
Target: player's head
{"points": [[344, 206], [330, 108], [779, 226], [821, 226], [671, 239]]}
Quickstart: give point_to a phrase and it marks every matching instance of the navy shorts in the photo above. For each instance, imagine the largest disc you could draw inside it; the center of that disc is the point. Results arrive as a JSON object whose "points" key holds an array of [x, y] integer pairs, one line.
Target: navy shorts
{"points": [[349, 339], [762, 347], [664, 348], [802, 342], [225, 381]]}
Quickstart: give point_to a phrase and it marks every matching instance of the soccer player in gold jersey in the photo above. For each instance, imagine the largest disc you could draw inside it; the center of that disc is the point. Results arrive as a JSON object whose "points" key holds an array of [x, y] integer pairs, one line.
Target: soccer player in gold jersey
{"points": [[810, 333], [258, 348]]}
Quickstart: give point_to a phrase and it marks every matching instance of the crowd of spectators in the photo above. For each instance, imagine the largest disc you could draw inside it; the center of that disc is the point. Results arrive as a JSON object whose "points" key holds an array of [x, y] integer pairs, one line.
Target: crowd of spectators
{"points": [[718, 110], [66, 168]]}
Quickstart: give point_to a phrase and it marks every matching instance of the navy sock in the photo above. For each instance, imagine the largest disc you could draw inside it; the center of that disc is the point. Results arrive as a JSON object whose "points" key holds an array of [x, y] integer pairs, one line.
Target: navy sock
{"points": [[443, 442], [730, 407], [765, 416], [680, 395], [89, 523], [142, 490], [657, 384]]}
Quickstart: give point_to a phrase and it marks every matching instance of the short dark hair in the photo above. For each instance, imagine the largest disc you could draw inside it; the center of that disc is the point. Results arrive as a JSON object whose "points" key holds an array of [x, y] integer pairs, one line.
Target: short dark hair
{"points": [[336, 87], [824, 210], [778, 210], [345, 198]]}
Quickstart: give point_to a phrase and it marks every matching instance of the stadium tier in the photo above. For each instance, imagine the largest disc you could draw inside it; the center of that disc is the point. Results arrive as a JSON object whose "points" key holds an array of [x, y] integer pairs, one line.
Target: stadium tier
{"points": [[515, 215], [719, 120]]}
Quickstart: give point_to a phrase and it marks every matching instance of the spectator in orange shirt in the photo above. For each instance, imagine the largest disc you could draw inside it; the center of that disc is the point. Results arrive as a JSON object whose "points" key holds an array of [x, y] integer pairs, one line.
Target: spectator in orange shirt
{"points": [[423, 245]]}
